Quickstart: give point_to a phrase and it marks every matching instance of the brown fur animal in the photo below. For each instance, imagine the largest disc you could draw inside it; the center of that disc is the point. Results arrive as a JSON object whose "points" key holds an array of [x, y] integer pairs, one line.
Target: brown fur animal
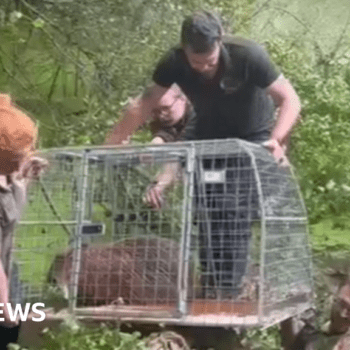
{"points": [[336, 336], [340, 312], [310, 339], [135, 271]]}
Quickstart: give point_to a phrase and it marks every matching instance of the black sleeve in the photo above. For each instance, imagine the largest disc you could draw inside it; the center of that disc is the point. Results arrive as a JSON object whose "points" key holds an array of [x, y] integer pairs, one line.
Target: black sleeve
{"points": [[165, 73], [262, 71], [167, 134], [189, 132], [175, 132]]}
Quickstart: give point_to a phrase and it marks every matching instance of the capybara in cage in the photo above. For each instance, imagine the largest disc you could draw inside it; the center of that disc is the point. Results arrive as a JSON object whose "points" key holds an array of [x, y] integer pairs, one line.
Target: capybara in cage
{"points": [[134, 271]]}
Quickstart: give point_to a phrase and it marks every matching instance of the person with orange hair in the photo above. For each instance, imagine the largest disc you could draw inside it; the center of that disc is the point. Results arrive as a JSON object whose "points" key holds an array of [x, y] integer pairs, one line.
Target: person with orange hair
{"points": [[18, 134]]}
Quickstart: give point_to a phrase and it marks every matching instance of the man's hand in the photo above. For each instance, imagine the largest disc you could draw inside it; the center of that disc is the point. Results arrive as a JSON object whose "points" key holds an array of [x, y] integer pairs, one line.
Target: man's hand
{"points": [[278, 152], [154, 196]]}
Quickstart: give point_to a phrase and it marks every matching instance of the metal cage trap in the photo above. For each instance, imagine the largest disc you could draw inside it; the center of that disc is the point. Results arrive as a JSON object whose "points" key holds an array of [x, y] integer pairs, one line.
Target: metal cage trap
{"points": [[229, 246]]}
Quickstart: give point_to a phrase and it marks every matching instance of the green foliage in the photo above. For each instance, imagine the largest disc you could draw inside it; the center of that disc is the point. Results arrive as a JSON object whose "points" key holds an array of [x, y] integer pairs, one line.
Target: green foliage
{"points": [[331, 235], [257, 339], [78, 337], [74, 64], [73, 336], [320, 145]]}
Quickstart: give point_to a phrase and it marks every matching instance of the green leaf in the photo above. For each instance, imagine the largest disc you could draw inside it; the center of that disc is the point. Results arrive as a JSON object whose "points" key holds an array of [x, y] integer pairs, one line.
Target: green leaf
{"points": [[38, 23]]}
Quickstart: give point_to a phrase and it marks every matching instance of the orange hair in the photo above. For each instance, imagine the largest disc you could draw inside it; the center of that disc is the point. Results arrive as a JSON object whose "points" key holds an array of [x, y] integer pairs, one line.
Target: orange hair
{"points": [[18, 132]]}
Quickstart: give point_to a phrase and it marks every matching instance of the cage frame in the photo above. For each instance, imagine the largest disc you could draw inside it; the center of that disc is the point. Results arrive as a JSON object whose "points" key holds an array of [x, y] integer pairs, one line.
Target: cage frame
{"points": [[181, 316]]}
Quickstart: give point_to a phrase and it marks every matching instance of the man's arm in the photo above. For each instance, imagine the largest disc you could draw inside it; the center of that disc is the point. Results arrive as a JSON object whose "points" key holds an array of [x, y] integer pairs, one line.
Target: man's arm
{"points": [[157, 141], [155, 193], [136, 114], [288, 104], [289, 107]]}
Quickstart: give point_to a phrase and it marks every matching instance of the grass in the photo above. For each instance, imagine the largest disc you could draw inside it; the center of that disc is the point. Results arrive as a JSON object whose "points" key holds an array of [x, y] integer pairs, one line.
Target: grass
{"points": [[38, 242], [331, 234]]}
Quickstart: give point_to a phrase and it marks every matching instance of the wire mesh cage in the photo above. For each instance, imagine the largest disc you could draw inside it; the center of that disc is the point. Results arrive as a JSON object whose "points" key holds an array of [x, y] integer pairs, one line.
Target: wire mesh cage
{"points": [[228, 247]]}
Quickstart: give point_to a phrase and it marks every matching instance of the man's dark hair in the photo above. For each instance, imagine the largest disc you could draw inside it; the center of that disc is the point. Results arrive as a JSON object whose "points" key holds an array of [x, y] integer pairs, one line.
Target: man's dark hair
{"points": [[200, 31]]}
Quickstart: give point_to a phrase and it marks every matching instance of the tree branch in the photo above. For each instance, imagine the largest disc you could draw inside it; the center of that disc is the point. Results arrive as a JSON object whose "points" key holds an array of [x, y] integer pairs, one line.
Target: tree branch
{"points": [[340, 39], [261, 8]]}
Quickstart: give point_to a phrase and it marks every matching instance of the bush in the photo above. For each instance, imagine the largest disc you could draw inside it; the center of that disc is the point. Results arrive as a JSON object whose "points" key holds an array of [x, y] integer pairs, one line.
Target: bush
{"points": [[73, 336], [320, 143]]}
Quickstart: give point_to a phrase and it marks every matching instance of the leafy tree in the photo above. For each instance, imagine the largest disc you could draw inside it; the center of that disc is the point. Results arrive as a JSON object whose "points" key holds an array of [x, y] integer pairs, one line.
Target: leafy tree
{"points": [[74, 64]]}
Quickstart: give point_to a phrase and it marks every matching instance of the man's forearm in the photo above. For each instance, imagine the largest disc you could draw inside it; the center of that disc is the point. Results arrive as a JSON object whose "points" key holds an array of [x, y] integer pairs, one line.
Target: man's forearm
{"points": [[287, 116], [132, 119], [155, 193], [136, 114], [169, 175], [289, 108], [118, 135]]}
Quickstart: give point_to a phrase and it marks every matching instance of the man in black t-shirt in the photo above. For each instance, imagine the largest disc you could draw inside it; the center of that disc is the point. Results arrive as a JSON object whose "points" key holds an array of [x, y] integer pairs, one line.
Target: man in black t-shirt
{"points": [[230, 99], [233, 87], [231, 83]]}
